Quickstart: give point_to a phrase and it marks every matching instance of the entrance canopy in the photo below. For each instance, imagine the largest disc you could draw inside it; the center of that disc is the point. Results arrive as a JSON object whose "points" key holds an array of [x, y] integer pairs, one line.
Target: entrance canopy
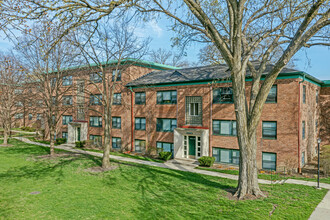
{"points": [[191, 143]]}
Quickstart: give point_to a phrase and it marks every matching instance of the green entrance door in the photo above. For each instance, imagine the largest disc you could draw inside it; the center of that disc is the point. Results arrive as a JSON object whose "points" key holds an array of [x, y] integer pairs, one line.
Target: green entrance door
{"points": [[192, 145], [78, 135]]}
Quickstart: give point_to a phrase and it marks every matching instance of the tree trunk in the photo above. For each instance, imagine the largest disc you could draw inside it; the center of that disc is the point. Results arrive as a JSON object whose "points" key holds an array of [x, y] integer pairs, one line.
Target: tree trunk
{"points": [[106, 150], [248, 171], [5, 135], [52, 144]]}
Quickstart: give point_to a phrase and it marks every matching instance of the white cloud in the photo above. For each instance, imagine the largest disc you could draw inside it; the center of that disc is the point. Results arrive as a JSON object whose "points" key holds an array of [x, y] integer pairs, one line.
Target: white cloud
{"points": [[155, 27]]}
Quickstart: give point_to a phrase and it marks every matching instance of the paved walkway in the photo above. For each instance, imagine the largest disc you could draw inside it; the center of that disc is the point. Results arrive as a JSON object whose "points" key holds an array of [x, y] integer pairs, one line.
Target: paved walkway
{"points": [[322, 211]]}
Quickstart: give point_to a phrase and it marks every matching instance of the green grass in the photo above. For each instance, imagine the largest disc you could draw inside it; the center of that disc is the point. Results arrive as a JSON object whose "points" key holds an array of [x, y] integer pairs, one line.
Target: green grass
{"points": [[127, 155], [269, 176], [131, 191]]}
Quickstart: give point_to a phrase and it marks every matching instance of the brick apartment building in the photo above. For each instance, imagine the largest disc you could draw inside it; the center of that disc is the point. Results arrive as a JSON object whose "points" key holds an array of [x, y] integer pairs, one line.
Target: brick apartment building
{"points": [[190, 112]]}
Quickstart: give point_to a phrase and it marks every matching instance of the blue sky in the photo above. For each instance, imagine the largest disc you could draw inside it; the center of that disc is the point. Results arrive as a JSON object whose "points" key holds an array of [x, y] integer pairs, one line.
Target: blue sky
{"points": [[315, 60]]}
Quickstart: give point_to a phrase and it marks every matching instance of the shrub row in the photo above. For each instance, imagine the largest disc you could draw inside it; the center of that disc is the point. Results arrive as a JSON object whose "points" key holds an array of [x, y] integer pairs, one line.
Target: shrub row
{"points": [[206, 161], [60, 141], [29, 129]]}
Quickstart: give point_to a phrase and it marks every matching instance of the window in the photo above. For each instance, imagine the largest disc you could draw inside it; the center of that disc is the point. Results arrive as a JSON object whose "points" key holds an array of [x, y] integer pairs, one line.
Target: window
{"points": [[224, 128], [166, 97], [317, 97], [40, 103], [140, 123], [65, 135], [166, 124], [272, 95], [117, 99], [116, 122], [54, 100], [116, 142], [96, 99], [139, 145], [304, 94], [19, 104], [140, 98], [303, 130], [19, 116], [53, 119], [30, 116], [223, 95], [194, 114], [66, 119], [53, 82], [95, 77], [18, 91], [38, 117], [269, 129], [222, 155], [67, 81], [97, 139], [67, 100], [303, 158], [269, 161], [165, 147], [95, 121], [118, 75]]}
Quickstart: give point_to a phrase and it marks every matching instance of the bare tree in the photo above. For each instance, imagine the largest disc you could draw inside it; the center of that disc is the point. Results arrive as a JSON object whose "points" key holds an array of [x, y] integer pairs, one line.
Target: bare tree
{"points": [[108, 51], [47, 76], [168, 57], [11, 78], [239, 29], [210, 55], [243, 31]]}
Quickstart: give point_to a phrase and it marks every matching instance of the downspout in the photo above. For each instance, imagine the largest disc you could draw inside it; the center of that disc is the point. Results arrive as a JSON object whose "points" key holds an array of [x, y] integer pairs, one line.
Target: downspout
{"points": [[132, 119], [299, 126], [210, 130]]}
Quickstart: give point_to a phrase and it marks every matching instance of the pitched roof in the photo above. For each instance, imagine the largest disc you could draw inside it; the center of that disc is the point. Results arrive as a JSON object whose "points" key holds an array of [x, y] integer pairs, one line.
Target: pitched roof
{"points": [[194, 74]]}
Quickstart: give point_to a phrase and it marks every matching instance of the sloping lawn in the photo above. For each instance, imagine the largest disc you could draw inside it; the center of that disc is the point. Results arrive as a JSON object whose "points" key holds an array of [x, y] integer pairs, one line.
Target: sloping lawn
{"points": [[130, 192], [269, 176]]}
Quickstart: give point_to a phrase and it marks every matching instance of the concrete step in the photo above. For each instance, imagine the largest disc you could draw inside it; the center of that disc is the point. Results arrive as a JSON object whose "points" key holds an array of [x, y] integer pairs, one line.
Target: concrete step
{"points": [[184, 162]]}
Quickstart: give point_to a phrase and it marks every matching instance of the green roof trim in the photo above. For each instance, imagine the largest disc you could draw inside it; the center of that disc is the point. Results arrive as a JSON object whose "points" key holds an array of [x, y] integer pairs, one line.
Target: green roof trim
{"points": [[326, 83], [292, 75], [135, 62]]}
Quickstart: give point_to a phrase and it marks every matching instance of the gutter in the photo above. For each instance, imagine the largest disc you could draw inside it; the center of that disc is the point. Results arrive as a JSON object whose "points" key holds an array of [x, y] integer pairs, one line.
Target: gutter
{"points": [[132, 119], [299, 123]]}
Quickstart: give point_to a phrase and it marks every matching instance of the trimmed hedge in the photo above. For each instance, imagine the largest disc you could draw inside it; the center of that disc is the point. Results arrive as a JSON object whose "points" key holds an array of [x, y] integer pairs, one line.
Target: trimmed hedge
{"points": [[165, 155], [60, 141], [80, 144], [29, 129], [206, 161]]}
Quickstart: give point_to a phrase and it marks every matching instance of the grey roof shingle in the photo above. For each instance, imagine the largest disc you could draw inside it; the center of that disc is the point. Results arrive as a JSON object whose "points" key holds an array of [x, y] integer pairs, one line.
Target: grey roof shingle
{"points": [[204, 73]]}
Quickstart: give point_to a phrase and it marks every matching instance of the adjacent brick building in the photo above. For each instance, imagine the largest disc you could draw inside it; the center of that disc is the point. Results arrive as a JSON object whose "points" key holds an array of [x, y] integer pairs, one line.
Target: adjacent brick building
{"points": [[191, 113]]}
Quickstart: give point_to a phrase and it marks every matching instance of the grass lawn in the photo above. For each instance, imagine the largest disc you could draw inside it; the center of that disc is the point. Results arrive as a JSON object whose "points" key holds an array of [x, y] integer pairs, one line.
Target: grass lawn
{"points": [[128, 155], [269, 176], [131, 191]]}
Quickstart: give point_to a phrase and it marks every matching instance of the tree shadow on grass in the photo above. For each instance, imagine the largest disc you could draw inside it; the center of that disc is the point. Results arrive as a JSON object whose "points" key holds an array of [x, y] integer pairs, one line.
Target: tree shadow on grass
{"points": [[50, 167], [157, 185]]}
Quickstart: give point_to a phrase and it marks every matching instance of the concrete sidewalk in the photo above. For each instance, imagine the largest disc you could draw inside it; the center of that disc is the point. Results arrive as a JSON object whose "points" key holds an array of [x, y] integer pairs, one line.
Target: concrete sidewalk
{"points": [[322, 211]]}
